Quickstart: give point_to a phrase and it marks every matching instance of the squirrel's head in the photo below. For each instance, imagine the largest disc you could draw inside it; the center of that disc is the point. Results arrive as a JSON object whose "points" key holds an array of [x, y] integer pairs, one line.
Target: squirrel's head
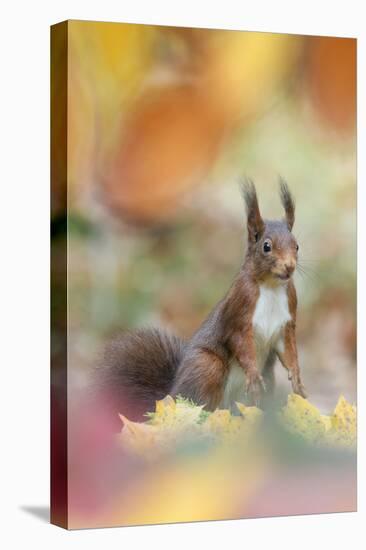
{"points": [[271, 244]]}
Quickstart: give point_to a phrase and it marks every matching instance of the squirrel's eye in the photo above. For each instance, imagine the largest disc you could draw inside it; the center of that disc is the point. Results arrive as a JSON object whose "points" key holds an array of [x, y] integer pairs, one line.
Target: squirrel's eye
{"points": [[267, 246], [297, 247]]}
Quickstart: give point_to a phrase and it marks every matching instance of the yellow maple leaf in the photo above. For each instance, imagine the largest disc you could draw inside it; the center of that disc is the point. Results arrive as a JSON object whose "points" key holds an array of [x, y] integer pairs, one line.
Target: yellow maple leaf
{"points": [[251, 414], [165, 408], [222, 424], [343, 424], [303, 418], [137, 436], [345, 414], [219, 419], [171, 413]]}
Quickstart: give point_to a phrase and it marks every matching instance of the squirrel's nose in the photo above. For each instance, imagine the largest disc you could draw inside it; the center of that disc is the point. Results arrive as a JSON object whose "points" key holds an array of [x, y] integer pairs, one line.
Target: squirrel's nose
{"points": [[289, 268]]}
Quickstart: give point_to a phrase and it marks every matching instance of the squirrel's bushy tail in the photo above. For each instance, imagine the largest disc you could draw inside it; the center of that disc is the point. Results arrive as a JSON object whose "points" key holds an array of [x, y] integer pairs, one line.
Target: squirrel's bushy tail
{"points": [[138, 368]]}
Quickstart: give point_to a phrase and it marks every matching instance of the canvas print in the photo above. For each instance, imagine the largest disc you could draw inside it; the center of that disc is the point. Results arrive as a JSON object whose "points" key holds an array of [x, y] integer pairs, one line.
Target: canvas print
{"points": [[203, 272]]}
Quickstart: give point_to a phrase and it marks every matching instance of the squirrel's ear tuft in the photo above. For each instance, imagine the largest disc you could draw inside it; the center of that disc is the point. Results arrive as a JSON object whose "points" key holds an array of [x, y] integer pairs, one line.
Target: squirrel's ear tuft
{"points": [[288, 203], [254, 219]]}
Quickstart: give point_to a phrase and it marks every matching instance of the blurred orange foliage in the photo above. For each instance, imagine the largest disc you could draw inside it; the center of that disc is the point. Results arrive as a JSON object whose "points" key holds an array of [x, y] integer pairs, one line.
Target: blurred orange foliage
{"points": [[151, 108], [331, 73]]}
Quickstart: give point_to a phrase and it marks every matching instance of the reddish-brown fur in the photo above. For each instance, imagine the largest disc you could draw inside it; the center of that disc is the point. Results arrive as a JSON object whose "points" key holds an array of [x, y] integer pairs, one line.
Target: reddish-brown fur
{"points": [[289, 357]]}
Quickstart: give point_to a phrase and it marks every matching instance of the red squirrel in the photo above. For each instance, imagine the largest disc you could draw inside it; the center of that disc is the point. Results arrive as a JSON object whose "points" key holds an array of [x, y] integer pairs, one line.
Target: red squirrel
{"points": [[231, 356]]}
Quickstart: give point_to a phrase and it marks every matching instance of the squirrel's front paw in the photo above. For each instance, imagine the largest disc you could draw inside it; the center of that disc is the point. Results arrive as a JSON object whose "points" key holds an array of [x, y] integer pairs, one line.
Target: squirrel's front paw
{"points": [[298, 387], [255, 386]]}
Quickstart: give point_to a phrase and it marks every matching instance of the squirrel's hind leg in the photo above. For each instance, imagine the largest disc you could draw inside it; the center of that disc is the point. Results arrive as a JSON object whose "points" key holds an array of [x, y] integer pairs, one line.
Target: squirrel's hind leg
{"points": [[268, 373], [201, 377]]}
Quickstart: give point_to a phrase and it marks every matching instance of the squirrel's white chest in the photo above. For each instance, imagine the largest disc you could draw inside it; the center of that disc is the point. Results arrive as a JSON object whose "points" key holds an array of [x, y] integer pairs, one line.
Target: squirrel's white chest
{"points": [[270, 316], [271, 313]]}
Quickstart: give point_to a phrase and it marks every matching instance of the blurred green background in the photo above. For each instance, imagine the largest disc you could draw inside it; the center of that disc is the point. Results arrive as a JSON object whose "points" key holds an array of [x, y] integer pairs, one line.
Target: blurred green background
{"points": [[162, 123]]}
